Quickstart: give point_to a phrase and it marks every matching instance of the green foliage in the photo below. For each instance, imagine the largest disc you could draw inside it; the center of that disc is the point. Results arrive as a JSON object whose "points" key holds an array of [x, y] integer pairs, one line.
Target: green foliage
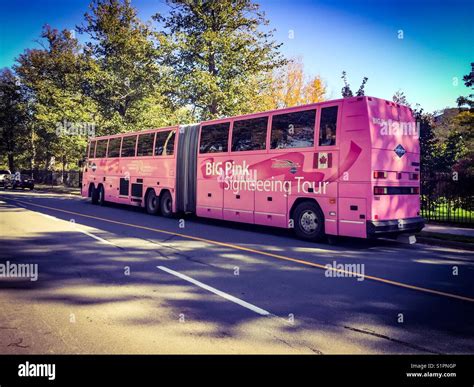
{"points": [[122, 73], [469, 82], [346, 91], [400, 98], [13, 118], [52, 79], [218, 51]]}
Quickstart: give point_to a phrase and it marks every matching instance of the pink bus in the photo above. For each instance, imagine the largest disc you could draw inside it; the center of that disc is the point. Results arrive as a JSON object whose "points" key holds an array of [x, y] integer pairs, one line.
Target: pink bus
{"points": [[348, 167]]}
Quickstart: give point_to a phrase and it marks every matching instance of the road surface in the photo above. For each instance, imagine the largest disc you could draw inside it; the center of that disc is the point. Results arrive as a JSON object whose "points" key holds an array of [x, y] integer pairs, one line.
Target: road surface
{"points": [[114, 279]]}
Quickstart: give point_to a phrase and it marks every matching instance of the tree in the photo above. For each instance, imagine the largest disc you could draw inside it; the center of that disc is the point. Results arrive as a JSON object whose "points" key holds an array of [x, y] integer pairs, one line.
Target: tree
{"points": [[469, 82], [219, 52], [123, 75], [346, 91], [52, 80], [400, 98], [13, 118], [289, 86]]}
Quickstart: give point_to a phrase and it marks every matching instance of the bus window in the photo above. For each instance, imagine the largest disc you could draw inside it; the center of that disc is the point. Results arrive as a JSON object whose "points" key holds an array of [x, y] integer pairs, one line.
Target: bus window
{"points": [[114, 147], [327, 126], [101, 149], [293, 130], [145, 144], [214, 138], [91, 149], [249, 134], [128, 146], [164, 143]]}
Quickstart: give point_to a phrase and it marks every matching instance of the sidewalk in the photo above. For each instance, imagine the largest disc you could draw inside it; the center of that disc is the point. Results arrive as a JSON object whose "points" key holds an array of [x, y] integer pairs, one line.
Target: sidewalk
{"points": [[444, 235], [57, 189], [438, 228]]}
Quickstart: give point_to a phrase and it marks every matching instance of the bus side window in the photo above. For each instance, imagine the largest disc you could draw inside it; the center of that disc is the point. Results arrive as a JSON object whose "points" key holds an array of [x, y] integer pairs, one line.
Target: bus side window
{"points": [[293, 130], [214, 138], [327, 126], [114, 147], [128, 146], [101, 149], [249, 134], [164, 145], [91, 149], [145, 144]]}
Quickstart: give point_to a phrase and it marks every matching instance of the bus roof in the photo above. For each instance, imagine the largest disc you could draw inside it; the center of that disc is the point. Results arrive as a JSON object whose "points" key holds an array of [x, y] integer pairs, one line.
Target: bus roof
{"points": [[250, 115]]}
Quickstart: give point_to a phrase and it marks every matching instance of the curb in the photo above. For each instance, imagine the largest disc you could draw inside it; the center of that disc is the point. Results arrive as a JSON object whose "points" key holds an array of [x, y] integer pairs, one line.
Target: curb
{"points": [[444, 243], [56, 191]]}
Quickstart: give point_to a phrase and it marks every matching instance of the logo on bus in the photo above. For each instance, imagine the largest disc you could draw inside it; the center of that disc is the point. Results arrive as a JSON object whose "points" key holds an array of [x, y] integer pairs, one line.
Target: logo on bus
{"points": [[277, 163], [400, 150]]}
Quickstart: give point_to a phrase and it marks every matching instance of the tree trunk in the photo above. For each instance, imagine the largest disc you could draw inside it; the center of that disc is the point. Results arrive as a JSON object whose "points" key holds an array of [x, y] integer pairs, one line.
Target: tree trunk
{"points": [[11, 162]]}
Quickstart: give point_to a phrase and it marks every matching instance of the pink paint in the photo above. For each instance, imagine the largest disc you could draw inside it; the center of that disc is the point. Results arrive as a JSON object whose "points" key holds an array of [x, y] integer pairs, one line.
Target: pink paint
{"points": [[263, 186]]}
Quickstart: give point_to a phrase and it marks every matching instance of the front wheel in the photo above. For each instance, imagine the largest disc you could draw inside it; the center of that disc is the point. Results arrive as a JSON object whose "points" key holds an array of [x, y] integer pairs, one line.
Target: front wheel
{"points": [[166, 205], [309, 221]]}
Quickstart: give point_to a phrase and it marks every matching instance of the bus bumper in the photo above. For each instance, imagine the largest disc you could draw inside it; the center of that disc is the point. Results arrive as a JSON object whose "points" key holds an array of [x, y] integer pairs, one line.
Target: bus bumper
{"points": [[397, 226]]}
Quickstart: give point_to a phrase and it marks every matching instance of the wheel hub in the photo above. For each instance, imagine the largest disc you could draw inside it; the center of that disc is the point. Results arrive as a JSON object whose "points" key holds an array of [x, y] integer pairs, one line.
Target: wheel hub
{"points": [[309, 221]]}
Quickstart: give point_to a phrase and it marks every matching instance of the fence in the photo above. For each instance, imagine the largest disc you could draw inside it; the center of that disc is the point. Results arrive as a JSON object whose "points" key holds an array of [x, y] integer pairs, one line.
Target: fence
{"points": [[56, 178], [448, 198]]}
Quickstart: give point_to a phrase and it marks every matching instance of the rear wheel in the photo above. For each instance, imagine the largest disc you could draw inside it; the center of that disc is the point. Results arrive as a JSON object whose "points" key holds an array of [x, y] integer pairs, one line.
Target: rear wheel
{"points": [[166, 204], [152, 203], [309, 221], [94, 195], [101, 196]]}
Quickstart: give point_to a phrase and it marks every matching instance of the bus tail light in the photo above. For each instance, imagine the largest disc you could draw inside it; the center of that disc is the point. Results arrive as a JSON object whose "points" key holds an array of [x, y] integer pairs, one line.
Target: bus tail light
{"points": [[380, 175], [415, 190], [414, 176], [380, 190]]}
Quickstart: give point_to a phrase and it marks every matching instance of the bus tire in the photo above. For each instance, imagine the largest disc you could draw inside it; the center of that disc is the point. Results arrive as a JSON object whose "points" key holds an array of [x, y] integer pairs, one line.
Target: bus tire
{"points": [[152, 202], [94, 195], [101, 195], [166, 204], [308, 221]]}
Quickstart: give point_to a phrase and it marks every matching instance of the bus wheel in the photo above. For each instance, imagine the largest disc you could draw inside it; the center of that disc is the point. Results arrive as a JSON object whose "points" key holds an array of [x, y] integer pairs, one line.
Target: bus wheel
{"points": [[166, 205], [94, 195], [309, 221], [152, 202], [101, 195]]}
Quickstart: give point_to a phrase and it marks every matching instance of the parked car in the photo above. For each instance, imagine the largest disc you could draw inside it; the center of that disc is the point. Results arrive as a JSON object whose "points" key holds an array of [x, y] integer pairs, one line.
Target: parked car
{"points": [[4, 177], [18, 180]]}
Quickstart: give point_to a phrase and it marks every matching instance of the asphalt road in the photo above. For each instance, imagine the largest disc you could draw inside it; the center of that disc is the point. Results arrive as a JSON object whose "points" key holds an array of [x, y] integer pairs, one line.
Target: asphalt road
{"points": [[113, 279]]}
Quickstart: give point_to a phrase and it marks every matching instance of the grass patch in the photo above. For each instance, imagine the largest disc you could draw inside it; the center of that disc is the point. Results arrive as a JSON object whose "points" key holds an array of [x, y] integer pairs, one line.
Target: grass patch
{"points": [[445, 212]]}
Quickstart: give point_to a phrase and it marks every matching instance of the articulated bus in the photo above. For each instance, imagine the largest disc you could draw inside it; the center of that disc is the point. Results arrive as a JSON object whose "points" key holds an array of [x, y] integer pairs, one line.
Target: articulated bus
{"points": [[346, 167]]}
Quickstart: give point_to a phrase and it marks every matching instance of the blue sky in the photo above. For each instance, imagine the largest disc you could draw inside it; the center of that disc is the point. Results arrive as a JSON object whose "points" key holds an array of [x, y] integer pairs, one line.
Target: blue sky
{"points": [[361, 37]]}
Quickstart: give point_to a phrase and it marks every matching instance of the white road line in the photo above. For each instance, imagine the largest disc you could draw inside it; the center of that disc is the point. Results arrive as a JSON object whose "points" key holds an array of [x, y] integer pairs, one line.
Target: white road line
{"points": [[75, 228], [95, 237], [47, 216], [228, 297]]}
